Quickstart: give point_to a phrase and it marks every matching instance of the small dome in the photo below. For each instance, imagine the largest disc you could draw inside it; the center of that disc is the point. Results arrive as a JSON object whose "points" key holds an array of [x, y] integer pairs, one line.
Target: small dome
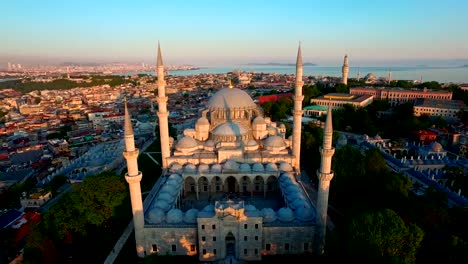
{"points": [[216, 168], [229, 129], [298, 203], [209, 143], [190, 168], [305, 214], [166, 197], [202, 121], [170, 189], [186, 143], [162, 204], [174, 216], [271, 167], [190, 217], [252, 143], [268, 215], [291, 189], [259, 121], [285, 167], [229, 98], [231, 165], [244, 167], [377, 137], [209, 208], [176, 168], [155, 216], [282, 126], [436, 147], [250, 207], [176, 177], [203, 168], [258, 167], [285, 214], [275, 142]]}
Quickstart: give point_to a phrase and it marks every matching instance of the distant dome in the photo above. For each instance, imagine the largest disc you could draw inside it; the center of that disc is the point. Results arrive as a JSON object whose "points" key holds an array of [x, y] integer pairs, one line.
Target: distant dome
{"points": [[370, 76], [268, 215], [275, 142], [174, 216], [229, 129], [190, 168], [155, 216], [259, 121], [190, 216], [377, 137], [250, 207], [436, 147], [252, 143], [285, 214], [186, 143], [229, 98], [231, 165]]}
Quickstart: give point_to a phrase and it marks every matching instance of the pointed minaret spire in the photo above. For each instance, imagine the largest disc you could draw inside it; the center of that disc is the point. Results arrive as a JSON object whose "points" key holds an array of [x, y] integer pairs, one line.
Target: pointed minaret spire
{"points": [[345, 70], [162, 111], [325, 175], [128, 122], [297, 119], [160, 61]]}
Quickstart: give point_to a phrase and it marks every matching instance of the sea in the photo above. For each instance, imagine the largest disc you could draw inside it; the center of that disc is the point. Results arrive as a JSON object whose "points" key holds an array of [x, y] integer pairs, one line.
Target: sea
{"points": [[413, 73]]}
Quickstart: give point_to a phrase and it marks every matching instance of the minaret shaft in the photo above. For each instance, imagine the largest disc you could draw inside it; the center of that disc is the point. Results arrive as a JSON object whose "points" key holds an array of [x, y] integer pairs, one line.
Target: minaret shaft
{"points": [[133, 177], [162, 111], [345, 70], [325, 175], [297, 121]]}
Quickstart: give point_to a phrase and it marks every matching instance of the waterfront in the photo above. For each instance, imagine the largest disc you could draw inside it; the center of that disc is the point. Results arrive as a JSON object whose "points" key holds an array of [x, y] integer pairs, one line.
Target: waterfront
{"points": [[440, 74]]}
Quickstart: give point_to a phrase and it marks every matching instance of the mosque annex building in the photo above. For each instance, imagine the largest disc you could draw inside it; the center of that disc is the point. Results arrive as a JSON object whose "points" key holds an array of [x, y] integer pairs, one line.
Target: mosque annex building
{"points": [[231, 185]]}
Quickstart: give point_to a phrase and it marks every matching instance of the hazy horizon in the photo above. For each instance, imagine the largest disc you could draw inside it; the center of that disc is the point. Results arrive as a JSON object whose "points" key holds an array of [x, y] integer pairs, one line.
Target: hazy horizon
{"points": [[213, 33]]}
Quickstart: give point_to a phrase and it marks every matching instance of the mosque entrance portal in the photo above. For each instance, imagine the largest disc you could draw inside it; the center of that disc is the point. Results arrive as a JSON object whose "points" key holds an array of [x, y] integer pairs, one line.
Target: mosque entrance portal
{"points": [[230, 245], [231, 182]]}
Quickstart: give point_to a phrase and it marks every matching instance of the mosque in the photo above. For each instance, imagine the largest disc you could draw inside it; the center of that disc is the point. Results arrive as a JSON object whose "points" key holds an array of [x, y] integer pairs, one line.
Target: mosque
{"points": [[231, 186]]}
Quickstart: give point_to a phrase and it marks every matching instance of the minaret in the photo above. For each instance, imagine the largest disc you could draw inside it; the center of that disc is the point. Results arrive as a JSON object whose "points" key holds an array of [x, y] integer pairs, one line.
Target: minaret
{"points": [[162, 111], [324, 175], [358, 74], [133, 178], [298, 97], [345, 70], [389, 75]]}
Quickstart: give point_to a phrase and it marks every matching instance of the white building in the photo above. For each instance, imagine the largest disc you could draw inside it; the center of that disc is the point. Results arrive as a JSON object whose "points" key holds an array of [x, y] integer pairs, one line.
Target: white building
{"points": [[337, 100], [448, 109]]}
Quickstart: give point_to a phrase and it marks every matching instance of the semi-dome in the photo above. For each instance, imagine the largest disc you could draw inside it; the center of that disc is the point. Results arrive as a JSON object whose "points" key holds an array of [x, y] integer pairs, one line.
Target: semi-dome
{"points": [[229, 98], [230, 129], [174, 216], [186, 143], [275, 142]]}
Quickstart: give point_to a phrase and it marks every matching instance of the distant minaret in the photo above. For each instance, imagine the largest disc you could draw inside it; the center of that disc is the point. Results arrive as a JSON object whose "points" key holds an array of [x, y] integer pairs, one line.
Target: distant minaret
{"points": [[133, 178], [298, 97], [68, 73], [345, 70], [358, 74], [420, 81], [389, 75], [162, 111], [325, 175]]}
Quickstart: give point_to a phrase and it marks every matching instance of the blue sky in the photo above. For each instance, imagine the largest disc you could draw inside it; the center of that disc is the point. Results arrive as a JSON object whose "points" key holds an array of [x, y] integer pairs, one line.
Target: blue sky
{"points": [[229, 32]]}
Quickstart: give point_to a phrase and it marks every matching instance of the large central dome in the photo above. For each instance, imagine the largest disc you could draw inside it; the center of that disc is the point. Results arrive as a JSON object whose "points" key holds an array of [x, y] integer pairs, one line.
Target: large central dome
{"points": [[229, 98]]}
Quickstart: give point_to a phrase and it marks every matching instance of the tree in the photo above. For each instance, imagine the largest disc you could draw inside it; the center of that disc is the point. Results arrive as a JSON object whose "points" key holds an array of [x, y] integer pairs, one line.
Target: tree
{"points": [[383, 236], [98, 195]]}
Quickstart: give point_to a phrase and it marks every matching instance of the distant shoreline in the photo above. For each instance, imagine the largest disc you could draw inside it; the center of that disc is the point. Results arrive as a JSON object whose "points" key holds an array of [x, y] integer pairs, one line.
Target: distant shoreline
{"points": [[280, 64]]}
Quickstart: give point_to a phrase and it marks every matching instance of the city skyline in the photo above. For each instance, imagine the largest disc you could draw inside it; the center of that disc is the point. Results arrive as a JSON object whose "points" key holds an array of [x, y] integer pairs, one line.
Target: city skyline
{"points": [[212, 33]]}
